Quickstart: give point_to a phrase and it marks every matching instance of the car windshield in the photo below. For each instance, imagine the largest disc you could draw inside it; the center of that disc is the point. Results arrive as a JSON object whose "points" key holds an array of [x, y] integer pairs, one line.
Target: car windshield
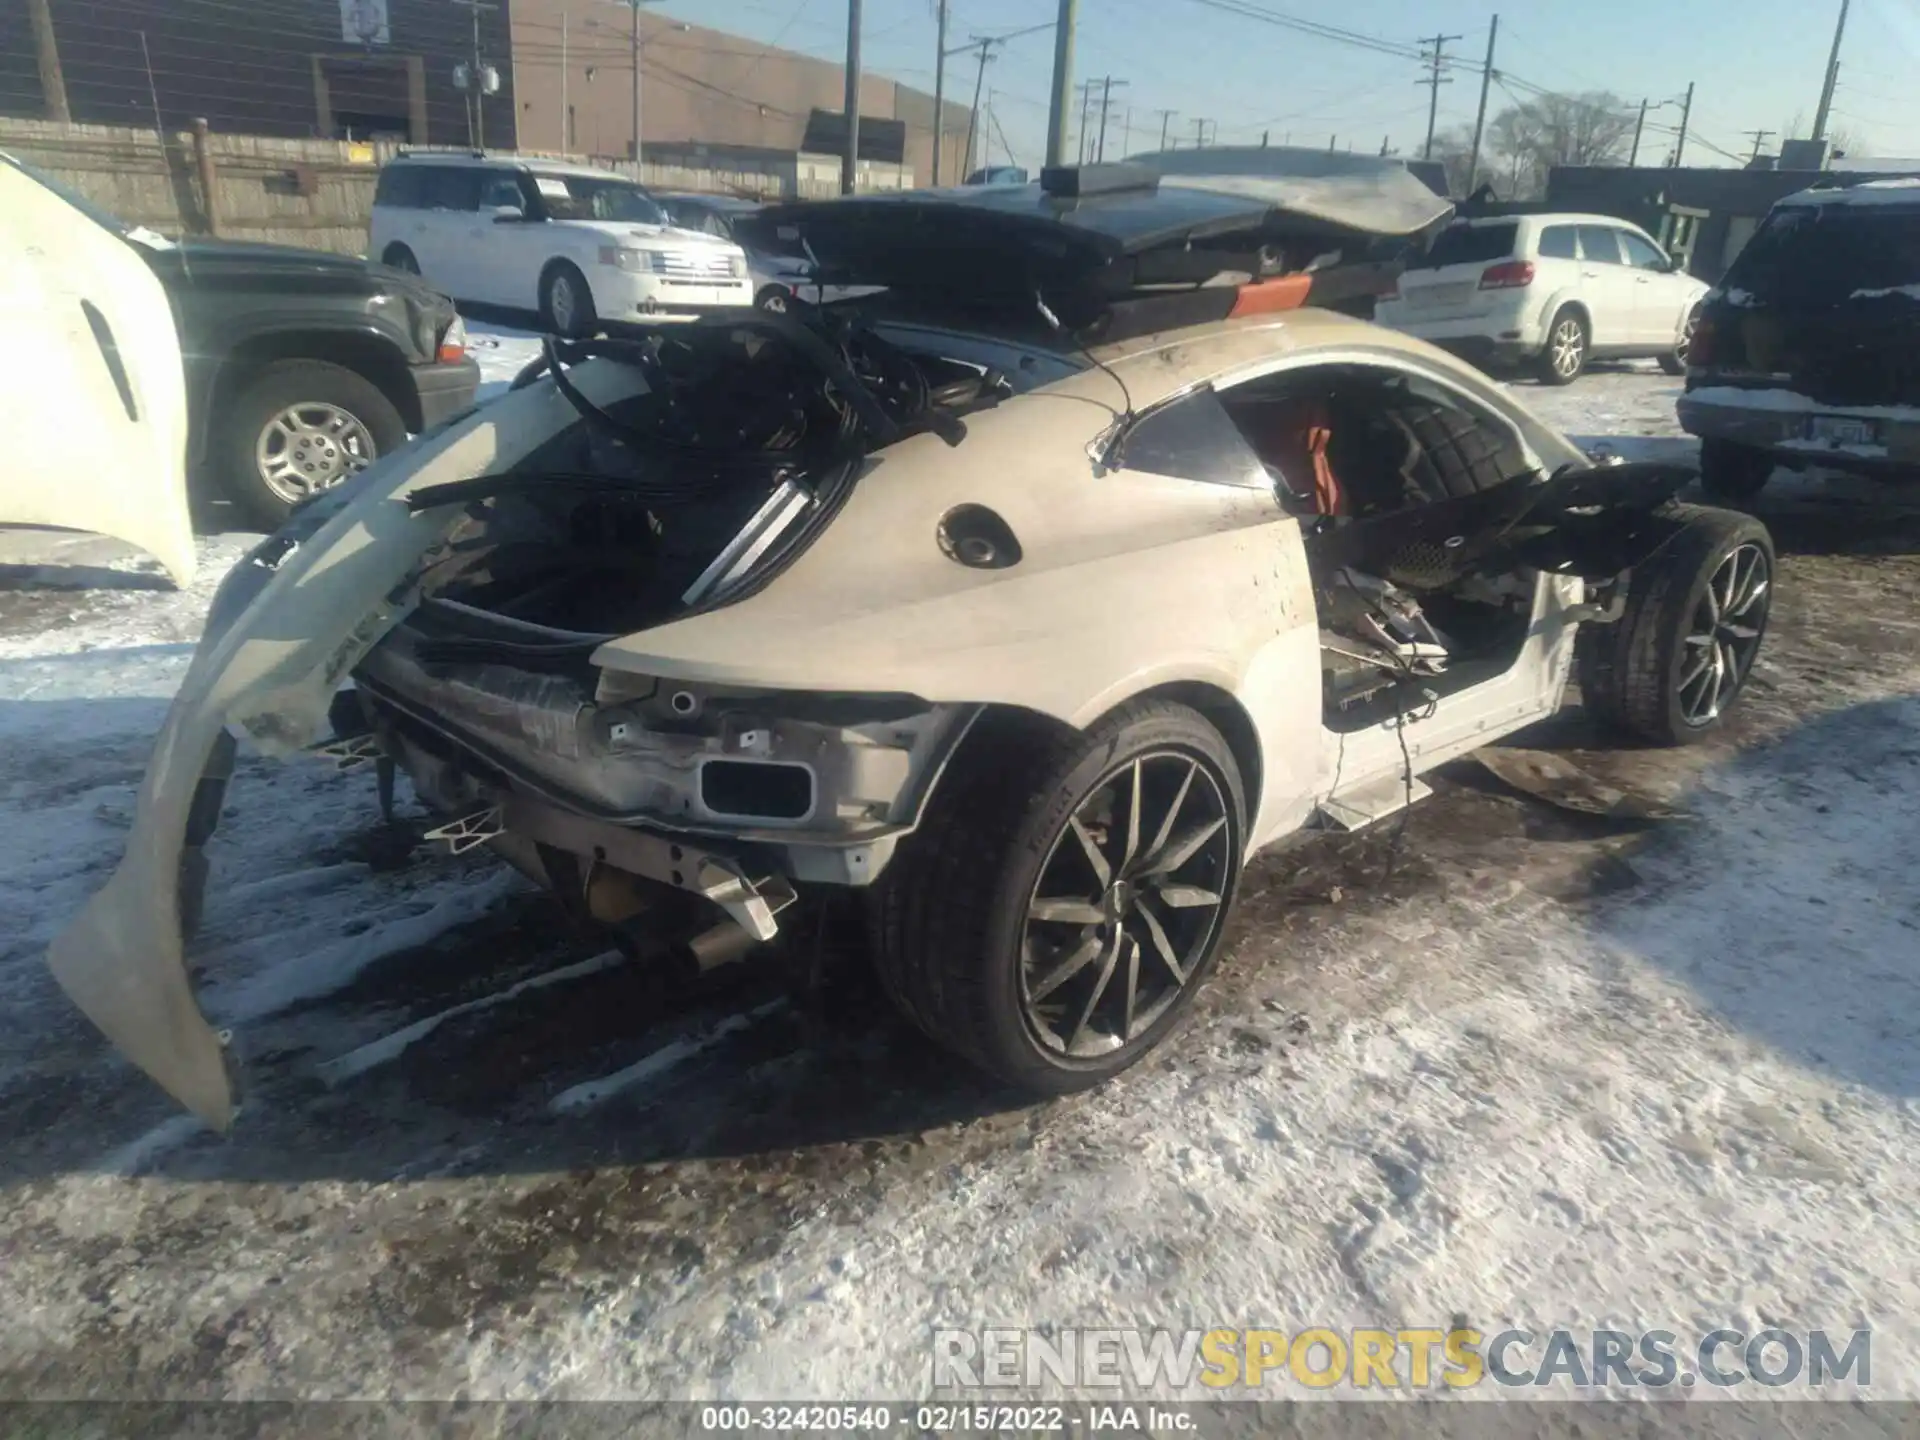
{"points": [[1824, 254], [1468, 245], [577, 197]]}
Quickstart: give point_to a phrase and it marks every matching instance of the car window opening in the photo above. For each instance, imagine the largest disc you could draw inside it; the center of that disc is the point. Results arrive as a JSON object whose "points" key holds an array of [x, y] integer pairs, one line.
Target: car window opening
{"points": [[1826, 297], [1408, 496], [1467, 245]]}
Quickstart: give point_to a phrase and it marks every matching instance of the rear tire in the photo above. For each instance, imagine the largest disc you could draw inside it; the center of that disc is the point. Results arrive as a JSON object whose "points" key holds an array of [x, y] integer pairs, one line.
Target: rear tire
{"points": [[983, 960], [399, 257], [566, 302], [1569, 339], [1730, 471], [1696, 614], [775, 299]]}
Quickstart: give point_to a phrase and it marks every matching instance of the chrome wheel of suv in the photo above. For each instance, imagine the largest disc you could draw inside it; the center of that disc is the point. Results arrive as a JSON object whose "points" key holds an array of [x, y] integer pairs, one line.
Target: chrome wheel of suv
{"points": [[308, 448], [1565, 355]]}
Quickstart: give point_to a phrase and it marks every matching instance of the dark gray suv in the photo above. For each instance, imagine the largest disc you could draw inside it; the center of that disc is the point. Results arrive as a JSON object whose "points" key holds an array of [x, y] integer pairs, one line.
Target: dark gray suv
{"points": [[1808, 353]]}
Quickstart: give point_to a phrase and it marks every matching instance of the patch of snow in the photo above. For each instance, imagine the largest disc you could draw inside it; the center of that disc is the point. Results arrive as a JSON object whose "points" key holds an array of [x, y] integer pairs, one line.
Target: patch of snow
{"points": [[309, 973], [502, 352], [391, 1046], [1792, 402], [1904, 191], [1910, 291], [589, 1093], [1736, 297], [1828, 447]]}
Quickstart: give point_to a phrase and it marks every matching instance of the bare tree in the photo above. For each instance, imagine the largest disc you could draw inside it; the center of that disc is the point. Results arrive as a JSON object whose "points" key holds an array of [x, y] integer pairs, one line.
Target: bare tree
{"points": [[1845, 140], [1594, 128], [1453, 149]]}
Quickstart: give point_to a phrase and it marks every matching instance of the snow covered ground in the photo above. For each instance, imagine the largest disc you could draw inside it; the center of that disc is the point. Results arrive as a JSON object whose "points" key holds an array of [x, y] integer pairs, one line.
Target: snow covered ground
{"points": [[1520, 1069]]}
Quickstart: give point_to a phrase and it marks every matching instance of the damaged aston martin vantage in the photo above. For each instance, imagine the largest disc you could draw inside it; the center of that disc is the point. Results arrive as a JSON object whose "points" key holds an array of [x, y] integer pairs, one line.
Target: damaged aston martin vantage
{"points": [[1089, 549]]}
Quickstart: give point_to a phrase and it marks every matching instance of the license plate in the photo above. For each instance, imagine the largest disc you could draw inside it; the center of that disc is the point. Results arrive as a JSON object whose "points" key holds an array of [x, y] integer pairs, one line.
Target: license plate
{"points": [[1440, 297], [1840, 430]]}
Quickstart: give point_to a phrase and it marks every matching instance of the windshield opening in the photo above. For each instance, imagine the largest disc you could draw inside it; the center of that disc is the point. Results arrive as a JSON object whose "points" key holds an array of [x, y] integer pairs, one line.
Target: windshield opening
{"points": [[1824, 254], [1468, 245], [574, 197]]}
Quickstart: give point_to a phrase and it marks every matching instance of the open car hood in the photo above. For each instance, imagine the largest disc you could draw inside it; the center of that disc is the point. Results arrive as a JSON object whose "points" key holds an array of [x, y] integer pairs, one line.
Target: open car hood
{"points": [[1109, 230]]}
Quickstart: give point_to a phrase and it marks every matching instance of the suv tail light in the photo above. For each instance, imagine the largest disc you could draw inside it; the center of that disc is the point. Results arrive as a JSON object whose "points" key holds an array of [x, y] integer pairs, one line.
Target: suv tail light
{"points": [[1511, 275], [1700, 347]]}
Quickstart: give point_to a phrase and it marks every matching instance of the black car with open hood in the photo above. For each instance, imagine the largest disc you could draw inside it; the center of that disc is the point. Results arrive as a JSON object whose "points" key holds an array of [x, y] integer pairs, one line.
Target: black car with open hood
{"points": [[1110, 250]]}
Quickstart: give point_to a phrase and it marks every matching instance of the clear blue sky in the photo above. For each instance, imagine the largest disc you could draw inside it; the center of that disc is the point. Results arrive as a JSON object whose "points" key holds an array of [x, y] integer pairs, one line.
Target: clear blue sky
{"points": [[1756, 62]]}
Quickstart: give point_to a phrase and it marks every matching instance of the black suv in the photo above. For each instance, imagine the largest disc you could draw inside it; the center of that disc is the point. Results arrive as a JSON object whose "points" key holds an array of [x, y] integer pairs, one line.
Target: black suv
{"points": [[301, 366], [1808, 353]]}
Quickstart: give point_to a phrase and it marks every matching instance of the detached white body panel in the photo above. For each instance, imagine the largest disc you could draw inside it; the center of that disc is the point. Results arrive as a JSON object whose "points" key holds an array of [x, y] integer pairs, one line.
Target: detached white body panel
{"points": [[93, 403]]}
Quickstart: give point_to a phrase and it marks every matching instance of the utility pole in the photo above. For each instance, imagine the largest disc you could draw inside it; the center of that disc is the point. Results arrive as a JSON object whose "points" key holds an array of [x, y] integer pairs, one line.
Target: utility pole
{"points": [[1639, 129], [850, 147], [1686, 114], [565, 144], [1436, 62], [1200, 132], [1480, 120], [476, 85], [1062, 95], [1107, 82], [53, 84], [637, 123], [1086, 108], [1833, 75], [1166, 117], [939, 84], [1759, 138], [979, 77]]}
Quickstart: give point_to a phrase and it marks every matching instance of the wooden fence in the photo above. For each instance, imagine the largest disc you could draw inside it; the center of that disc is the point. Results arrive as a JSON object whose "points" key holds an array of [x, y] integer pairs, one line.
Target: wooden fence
{"points": [[316, 193]]}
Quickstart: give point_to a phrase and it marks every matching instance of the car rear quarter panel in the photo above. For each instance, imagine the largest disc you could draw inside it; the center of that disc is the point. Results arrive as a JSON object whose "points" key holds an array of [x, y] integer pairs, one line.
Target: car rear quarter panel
{"points": [[1130, 581]]}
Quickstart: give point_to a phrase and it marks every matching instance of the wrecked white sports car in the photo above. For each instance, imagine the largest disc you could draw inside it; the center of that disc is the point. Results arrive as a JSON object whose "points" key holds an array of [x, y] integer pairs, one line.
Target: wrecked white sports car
{"points": [[1029, 596]]}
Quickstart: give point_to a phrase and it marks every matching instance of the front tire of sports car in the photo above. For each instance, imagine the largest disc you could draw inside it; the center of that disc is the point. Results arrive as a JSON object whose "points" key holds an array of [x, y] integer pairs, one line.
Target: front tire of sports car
{"points": [[1672, 666], [1066, 893]]}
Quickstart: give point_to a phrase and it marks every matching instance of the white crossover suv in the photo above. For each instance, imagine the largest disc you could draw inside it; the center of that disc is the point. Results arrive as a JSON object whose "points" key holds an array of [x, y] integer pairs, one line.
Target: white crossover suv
{"points": [[581, 246], [1553, 291]]}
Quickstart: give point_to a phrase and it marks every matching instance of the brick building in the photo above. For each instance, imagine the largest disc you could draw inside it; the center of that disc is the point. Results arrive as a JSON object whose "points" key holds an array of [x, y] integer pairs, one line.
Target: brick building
{"points": [[386, 68]]}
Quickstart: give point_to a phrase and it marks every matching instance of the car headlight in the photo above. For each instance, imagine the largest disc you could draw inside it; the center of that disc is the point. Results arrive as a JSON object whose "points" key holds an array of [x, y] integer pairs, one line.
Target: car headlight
{"points": [[636, 261]]}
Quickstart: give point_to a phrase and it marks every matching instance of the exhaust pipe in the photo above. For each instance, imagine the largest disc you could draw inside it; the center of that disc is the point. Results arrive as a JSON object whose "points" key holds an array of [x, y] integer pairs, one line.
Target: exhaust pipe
{"points": [[722, 945]]}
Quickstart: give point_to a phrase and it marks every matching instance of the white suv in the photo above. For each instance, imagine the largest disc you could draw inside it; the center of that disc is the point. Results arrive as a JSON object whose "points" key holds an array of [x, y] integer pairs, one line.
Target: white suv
{"points": [[581, 246], [1553, 290]]}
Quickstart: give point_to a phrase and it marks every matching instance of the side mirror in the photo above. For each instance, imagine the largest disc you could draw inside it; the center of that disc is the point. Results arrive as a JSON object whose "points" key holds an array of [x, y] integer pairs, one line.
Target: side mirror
{"points": [[507, 214]]}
